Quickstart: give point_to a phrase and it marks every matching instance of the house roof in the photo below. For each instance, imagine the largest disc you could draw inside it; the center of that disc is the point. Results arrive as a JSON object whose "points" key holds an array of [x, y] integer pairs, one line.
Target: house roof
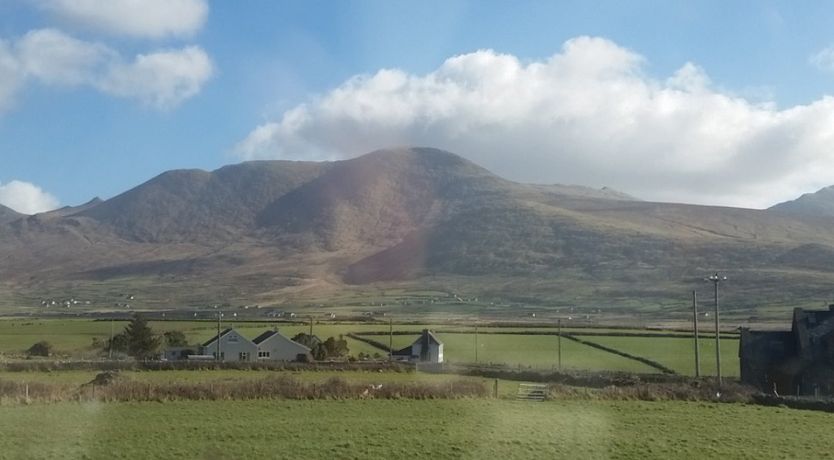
{"points": [[426, 337], [209, 341], [403, 352], [267, 334], [429, 335]]}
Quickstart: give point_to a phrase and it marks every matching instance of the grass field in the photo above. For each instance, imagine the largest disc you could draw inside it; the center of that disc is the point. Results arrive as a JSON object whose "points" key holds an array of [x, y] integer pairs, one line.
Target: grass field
{"points": [[73, 337], [407, 429], [677, 353], [537, 351]]}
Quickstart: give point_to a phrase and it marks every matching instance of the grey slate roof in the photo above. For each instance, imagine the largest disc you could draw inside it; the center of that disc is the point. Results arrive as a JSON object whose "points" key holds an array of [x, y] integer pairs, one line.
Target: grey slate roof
{"points": [[267, 334], [209, 341]]}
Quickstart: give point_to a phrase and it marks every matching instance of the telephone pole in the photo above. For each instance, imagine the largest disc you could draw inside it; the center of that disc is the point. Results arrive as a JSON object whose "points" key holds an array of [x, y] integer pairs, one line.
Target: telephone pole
{"points": [[219, 314], [476, 344], [716, 279], [695, 323], [559, 342]]}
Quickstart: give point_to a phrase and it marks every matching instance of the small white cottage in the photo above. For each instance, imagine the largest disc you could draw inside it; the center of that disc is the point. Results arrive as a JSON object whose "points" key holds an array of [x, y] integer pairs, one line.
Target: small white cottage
{"points": [[426, 349]]}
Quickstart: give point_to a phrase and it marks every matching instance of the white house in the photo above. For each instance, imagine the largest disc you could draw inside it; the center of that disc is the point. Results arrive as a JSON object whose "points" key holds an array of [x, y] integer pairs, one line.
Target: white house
{"points": [[233, 347], [276, 347], [426, 349]]}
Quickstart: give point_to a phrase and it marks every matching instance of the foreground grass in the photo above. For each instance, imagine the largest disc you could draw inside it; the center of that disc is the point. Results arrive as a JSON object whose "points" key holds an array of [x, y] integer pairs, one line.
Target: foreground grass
{"points": [[408, 429], [506, 388]]}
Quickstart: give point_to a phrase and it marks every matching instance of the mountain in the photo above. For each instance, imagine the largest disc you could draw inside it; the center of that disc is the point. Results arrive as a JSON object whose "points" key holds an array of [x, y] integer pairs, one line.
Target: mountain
{"points": [[403, 220], [8, 215], [195, 205], [819, 204]]}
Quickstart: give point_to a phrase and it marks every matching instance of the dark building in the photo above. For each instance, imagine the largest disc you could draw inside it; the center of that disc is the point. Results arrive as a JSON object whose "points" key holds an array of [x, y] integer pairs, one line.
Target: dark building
{"points": [[795, 362]]}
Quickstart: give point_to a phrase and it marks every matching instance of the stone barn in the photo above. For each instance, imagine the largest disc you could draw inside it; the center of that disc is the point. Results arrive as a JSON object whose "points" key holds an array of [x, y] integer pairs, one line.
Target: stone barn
{"points": [[795, 362]]}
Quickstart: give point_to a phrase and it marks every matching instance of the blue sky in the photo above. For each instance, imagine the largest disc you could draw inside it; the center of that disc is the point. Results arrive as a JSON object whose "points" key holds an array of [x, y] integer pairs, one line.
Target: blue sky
{"points": [[760, 67]]}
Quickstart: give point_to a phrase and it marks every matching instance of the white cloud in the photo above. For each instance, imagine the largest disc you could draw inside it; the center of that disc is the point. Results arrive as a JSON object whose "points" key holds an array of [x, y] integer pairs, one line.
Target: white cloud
{"points": [[588, 115], [10, 76], [823, 59], [26, 198], [134, 18], [56, 58], [162, 79]]}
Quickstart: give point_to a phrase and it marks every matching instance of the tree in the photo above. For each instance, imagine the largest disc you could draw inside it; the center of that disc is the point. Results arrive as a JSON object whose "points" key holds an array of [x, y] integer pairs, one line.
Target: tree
{"points": [[336, 348], [141, 341], [118, 343], [175, 339], [330, 348], [42, 348]]}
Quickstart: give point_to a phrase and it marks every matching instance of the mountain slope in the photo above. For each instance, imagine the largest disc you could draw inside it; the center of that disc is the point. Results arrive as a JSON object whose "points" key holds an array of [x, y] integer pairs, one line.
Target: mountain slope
{"points": [[8, 215], [818, 204], [195, 205], [278, 231]]}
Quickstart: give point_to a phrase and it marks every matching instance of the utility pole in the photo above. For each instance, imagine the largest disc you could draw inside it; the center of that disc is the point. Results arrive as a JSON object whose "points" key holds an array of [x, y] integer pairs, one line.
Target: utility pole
{"points": [[390, 339], [219, 314], [476, 343], [559, 342], [715, 280], [111, 339], [311, 325], [695, 323]]}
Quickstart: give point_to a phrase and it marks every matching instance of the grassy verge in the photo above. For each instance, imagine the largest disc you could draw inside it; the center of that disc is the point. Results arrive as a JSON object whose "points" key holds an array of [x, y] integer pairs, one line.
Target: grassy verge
{"points": [[407, 429]]}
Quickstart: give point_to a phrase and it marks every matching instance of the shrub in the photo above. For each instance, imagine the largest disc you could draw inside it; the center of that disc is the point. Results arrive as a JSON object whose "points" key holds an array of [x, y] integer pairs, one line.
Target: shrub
{"points": [[42, 348]]}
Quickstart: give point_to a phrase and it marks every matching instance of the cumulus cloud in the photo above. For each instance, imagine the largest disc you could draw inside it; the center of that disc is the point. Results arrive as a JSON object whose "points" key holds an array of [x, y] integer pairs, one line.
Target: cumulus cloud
{"points": [[10, 76], [134, 18], [823, 59], [589, 114], [26, 198], [162, 79]]}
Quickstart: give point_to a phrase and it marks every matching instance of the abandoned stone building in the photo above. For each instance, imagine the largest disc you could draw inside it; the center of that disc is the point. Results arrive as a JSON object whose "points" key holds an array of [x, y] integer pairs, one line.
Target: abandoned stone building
{"points": [[795, 362]]}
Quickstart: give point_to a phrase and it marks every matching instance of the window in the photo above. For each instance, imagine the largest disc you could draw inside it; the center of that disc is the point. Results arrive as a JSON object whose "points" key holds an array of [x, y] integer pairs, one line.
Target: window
{"points": [[243, 356], [263, 354]]}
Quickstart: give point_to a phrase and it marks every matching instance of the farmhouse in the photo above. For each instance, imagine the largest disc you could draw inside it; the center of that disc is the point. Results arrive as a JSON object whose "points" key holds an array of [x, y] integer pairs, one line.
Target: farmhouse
{"points": [[270, 345], [276, 347], [426, 349], [233, 347], [797, 362]]}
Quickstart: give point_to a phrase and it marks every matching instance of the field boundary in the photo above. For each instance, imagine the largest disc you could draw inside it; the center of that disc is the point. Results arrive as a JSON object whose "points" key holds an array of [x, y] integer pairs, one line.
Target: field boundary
{"points": [[646, 361], [651, 363]]}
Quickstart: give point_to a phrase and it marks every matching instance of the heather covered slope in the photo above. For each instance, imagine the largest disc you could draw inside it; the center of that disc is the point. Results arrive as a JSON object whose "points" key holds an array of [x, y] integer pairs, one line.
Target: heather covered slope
{"points": [[279, 232]]}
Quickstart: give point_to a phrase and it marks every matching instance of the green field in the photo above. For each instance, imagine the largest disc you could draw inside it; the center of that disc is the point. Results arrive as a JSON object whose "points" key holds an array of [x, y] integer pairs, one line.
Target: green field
{"points": [[74, 337], [537, 351], [677, 353], [412, 429]]}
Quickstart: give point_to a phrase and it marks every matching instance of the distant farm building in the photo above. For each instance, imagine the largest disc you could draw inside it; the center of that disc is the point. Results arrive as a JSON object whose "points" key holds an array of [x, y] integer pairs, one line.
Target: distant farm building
{"points": [[795, 362], [426, 349], [270, 345]]}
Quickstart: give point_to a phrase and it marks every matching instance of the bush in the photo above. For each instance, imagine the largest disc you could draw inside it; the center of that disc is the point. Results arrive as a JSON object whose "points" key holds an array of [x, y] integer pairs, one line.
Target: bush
{"points": [[42, 348]]}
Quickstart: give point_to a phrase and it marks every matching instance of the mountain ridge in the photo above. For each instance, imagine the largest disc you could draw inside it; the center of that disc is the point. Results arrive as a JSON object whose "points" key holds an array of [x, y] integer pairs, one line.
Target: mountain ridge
{"points": [[281, 231]]}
